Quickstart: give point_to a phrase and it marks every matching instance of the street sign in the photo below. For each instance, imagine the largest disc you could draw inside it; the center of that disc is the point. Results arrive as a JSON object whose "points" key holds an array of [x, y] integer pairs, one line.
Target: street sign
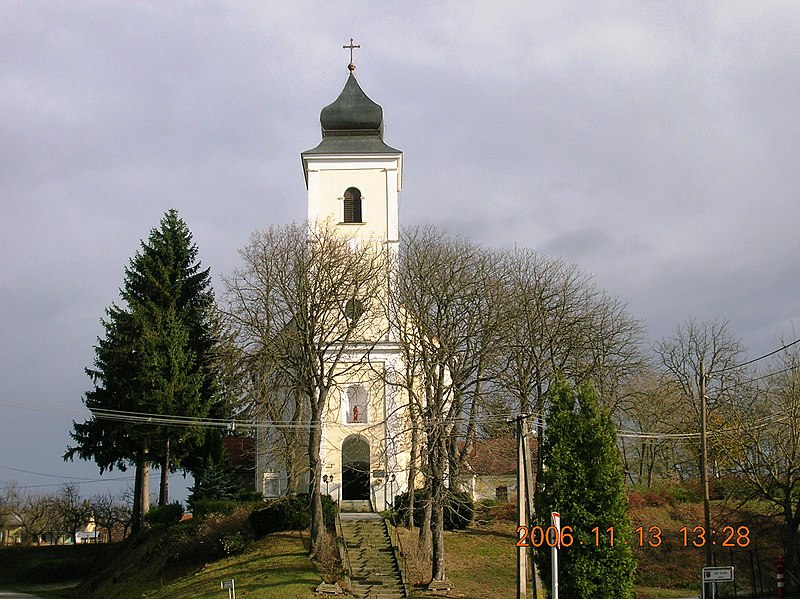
{"points": [[718, 574], [228, 584], [555, 518]]}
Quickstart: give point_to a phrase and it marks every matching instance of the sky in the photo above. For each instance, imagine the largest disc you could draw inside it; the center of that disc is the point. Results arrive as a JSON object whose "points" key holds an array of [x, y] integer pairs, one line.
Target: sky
{"points": [[654, 144]]}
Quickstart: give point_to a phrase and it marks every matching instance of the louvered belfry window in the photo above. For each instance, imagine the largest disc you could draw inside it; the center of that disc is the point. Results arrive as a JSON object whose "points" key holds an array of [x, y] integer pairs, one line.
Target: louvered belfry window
{"points": [[352, 205]]}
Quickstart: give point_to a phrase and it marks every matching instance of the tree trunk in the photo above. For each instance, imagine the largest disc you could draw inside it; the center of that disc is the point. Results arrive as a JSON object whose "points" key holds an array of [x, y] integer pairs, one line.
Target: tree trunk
{"points": [[424, 540], [412, 464], [136, 510], [314, 444], [790, 546], [141, 493], [163, 494], [438, 496], [145, 484], [412, 472]]}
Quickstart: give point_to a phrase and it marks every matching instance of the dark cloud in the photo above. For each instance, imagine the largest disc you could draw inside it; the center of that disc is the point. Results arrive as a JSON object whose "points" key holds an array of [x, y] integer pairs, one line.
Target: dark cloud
{"points": [[651, 144]]}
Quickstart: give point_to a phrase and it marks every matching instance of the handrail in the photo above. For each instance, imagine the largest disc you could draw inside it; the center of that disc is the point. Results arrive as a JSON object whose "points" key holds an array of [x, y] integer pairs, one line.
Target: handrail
{"points": [[397, 550], [342, 545]]}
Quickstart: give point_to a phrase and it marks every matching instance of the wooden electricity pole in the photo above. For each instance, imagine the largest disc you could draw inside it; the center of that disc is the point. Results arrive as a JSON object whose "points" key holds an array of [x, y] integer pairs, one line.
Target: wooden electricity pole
{"points": [[704, 461], [522, 519]]}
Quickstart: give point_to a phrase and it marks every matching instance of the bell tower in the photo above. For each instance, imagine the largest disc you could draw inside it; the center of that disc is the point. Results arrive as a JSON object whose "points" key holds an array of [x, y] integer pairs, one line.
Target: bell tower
{"points": [[353, 178]]}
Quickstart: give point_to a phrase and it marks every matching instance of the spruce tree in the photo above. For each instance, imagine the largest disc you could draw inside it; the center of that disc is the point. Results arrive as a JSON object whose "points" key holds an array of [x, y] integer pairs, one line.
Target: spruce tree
{"points": [[583, 481], [156, 359], [216, 479]]}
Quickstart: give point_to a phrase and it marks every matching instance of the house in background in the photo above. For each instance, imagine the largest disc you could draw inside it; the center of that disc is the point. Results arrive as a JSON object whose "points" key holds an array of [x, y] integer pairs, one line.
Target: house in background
{"points": [[491, 470], [11, 531], [241, 454]]}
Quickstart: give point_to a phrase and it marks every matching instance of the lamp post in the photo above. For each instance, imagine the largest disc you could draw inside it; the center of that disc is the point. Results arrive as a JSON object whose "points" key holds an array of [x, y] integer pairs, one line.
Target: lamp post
{"points": [[327, 479]]}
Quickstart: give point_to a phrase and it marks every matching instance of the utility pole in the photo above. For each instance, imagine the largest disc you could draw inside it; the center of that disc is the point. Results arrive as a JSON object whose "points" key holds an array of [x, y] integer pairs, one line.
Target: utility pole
{"points": [[704, 461], [522, 520], [530, 492]]}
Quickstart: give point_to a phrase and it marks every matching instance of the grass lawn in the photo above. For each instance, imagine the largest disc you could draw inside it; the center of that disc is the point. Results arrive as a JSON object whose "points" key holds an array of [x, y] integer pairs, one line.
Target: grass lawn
{"points": [[480, 562], [275, 567]]}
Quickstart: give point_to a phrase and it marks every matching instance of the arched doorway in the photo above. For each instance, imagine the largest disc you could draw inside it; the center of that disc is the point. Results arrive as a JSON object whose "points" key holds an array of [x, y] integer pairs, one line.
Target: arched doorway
{"points": [[355, 468]]}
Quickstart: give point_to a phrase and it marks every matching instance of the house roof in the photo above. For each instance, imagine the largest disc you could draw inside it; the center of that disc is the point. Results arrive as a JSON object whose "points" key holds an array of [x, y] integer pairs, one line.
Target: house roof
{"points": [[493, 456], [241, 451]]}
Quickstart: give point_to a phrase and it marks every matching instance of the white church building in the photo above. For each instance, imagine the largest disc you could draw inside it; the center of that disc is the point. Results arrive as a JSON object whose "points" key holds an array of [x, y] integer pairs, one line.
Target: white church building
{"points": [[353, 179]]}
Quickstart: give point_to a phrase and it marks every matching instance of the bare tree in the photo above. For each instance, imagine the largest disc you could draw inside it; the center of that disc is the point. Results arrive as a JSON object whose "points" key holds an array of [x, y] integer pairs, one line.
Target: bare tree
{"points": [[446, 307], [721, 354], [651, 408], [250, 375], [72, 511], [10, 506], [6, 510], [558, 323], [765, 453], [37, 517], [111, 512], [302, 305]]}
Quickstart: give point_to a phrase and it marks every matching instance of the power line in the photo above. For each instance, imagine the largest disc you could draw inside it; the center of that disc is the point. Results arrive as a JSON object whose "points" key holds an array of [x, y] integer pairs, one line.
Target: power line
{"points": [[754, 360], [86, 482], [770, 374], [47, 475]]}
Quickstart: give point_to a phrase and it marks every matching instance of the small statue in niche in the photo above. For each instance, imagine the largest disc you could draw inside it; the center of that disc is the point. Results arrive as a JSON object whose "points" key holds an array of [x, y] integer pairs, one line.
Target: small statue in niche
{"points": [[355, 413]]}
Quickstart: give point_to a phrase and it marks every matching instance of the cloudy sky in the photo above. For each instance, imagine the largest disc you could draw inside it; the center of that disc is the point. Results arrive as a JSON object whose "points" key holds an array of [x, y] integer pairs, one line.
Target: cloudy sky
{"points": [[654, 144]]}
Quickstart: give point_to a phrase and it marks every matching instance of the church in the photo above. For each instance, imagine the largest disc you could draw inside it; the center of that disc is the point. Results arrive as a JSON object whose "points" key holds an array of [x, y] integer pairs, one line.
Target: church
{"points": [[353, 180]]}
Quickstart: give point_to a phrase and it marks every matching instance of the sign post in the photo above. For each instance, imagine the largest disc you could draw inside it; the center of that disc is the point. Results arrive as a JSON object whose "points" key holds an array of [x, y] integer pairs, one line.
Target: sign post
{"points": [[554, 547], [229, 584], [715, 574]]}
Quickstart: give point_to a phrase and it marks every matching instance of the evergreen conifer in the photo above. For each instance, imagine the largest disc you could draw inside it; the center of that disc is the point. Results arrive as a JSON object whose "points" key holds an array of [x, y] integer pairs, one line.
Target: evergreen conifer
{"points": [[155, 359], [583, 481]]}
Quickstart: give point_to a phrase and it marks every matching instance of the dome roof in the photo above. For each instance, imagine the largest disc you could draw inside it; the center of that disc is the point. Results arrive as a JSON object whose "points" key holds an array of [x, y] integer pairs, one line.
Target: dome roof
{"points": [[352, 113]]}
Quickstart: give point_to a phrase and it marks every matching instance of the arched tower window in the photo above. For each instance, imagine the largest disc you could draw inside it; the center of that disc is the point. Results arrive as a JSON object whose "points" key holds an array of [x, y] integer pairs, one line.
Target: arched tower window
{"points": [[352, 205]]}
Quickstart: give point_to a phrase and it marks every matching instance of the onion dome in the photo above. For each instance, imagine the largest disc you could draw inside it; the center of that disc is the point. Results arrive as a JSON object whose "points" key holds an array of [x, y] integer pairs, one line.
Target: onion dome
{"points": [[352, 124], [352, 113]]}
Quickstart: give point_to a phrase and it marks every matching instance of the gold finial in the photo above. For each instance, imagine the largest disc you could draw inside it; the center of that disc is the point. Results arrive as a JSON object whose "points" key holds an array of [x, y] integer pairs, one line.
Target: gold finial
{"points": [[351, 67]]}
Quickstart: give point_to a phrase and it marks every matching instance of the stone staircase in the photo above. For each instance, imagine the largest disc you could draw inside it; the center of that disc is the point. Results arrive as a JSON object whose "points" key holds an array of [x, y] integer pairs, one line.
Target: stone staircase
{"points": [[355, 505], [375, 572]]}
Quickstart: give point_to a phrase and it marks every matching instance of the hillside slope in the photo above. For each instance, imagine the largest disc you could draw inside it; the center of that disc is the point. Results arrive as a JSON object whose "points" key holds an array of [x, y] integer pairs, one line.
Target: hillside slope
{"points": [[191, 559]]}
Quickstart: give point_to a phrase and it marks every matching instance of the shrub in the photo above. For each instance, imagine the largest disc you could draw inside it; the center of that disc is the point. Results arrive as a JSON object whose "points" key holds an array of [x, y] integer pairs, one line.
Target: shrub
{"points": [[234, 543], [459, 508], [459, 511], [730, 487], [290, 512], [203, 507], [251, 497], [490, 510], [329, 510], [166, 515], [646, 498], [206, 540]]}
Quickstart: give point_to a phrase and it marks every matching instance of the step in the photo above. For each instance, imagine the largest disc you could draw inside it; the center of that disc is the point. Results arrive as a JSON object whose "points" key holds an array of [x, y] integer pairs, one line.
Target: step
{"points": [[374, 571]]}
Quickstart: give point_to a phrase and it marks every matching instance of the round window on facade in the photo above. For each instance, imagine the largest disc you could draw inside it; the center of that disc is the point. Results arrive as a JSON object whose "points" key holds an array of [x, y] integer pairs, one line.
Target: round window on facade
{"points": [[353, 309]]}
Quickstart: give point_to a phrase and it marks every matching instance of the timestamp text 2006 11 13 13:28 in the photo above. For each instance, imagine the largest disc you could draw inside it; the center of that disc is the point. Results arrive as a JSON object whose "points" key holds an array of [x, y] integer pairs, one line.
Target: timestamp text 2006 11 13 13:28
{"points": [[653, 536]]}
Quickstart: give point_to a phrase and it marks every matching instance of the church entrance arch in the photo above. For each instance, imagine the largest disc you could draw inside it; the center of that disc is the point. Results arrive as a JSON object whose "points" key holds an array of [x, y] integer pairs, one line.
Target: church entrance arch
{"points": [[355, 468]]}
